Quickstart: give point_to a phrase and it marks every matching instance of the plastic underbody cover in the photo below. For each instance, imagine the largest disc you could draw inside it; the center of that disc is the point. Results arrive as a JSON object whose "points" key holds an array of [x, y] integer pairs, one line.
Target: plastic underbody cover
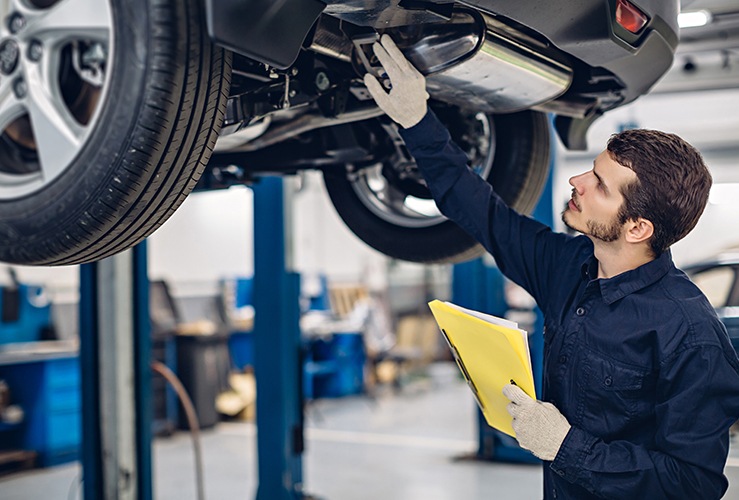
{"points": [[266, 30]]}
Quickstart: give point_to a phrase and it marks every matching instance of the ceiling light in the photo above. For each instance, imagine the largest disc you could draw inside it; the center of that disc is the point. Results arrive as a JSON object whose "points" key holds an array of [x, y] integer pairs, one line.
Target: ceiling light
{"points": [[693, 19]]}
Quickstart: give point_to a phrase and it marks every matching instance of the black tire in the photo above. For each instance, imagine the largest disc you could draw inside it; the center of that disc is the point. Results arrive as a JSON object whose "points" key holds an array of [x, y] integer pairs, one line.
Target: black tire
{"points": [[518, 174], [166, 96]]}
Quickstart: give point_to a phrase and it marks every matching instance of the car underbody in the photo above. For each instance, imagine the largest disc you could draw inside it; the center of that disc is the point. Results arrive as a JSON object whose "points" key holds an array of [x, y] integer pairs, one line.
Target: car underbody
{"points": [[211, 93]]}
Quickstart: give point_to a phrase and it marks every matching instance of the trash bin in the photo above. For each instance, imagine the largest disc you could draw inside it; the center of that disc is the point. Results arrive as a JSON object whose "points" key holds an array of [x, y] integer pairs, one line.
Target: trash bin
{"points": [[202, 366]]}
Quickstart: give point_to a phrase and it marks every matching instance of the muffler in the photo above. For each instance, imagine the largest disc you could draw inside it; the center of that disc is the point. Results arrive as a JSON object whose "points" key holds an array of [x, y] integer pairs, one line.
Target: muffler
{"points": [[472, 60], [493, 67]]}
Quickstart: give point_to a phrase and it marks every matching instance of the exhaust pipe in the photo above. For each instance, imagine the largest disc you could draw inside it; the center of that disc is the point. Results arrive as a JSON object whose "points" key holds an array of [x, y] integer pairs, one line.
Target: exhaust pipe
{"points": [[472, 60]]}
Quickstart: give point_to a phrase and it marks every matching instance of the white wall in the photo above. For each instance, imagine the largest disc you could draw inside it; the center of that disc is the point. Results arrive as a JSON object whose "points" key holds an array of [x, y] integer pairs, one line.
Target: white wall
{"points": [[61, 282], [209, 237], [708, 121], [324, 244]]}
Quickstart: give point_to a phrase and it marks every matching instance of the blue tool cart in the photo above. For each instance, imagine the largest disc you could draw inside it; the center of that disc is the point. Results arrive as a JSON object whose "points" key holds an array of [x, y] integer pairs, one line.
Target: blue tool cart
{"points": [[44, 380], [333, 365]]}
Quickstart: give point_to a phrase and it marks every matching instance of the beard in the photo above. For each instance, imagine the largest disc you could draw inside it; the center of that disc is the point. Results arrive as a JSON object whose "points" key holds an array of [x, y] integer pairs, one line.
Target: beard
{"points": [[604, 232]]}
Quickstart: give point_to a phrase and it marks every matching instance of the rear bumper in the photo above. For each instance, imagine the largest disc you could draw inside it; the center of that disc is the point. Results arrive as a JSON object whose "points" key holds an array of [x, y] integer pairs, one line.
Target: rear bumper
{"points": [[587, 30]]}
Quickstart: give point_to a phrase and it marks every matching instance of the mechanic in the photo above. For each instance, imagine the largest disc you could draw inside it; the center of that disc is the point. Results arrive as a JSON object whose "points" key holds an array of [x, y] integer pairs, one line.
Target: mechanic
{"points": [[640, 381]]}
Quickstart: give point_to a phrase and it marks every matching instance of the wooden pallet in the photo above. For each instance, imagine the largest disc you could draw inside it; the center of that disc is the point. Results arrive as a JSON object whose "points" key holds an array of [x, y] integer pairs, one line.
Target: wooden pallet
{"points": [[343, 298]]}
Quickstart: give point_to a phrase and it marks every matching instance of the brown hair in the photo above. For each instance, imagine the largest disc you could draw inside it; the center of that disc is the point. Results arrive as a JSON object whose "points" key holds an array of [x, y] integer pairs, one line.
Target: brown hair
{"points": [[672, 183]]}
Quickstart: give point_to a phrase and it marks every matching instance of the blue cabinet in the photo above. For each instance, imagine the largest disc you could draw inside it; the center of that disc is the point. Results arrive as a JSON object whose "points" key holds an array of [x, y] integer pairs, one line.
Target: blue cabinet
{"points": [[333, 365], [48, 390]]}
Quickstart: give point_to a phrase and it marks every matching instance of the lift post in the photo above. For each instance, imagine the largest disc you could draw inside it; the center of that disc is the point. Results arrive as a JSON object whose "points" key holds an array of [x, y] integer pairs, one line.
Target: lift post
{"points": [[115, 352], [479, 286], [277, 360]]}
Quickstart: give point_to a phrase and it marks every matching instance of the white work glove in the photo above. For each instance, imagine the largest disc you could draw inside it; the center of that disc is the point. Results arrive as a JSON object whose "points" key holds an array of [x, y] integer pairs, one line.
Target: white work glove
{"points": [[540, 427], [406, 101]]}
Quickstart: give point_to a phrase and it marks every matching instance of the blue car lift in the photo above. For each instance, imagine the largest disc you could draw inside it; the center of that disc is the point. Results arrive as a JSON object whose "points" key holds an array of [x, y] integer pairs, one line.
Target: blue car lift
{"points": [[115, 352], [479, 286], [277, 358]]}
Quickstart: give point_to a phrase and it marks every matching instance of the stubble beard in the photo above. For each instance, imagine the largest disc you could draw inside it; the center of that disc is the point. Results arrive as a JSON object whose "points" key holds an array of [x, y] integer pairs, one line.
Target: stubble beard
{"points": [[606, 233]]}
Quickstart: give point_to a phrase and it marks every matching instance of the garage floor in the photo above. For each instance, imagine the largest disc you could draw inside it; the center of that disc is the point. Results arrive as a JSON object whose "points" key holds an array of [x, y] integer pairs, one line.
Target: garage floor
{"points": [[403, 446]]}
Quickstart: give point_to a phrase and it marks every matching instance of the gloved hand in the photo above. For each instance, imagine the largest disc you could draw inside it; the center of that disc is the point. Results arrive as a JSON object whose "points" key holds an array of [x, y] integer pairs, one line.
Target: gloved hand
{"points": [[540, 427], [406, 101]]}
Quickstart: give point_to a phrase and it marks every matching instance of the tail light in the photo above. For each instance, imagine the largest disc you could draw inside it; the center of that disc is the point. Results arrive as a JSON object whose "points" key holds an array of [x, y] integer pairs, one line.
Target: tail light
{"points": [[630, 17]]}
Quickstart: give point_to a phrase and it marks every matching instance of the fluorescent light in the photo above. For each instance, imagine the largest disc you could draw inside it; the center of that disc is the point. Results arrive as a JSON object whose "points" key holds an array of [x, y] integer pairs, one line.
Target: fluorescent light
{"points": [[693, 19]]}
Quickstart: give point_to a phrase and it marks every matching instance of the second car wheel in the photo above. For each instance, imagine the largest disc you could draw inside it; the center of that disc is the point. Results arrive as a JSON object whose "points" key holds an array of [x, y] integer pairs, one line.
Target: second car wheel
{"points": [[108, 112], [389, 207]]}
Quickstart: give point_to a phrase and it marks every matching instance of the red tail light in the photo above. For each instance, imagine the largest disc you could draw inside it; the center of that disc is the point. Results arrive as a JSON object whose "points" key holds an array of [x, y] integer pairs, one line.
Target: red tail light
{"points": [[630, 17]]}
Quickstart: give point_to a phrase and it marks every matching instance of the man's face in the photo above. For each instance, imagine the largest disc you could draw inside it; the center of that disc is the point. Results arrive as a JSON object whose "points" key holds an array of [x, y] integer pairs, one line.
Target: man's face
{"points": [[596, 199]]}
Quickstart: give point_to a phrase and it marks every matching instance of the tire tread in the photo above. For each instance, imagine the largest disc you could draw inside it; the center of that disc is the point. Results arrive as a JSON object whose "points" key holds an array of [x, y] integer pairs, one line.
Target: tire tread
{"points": [[162, 169]]}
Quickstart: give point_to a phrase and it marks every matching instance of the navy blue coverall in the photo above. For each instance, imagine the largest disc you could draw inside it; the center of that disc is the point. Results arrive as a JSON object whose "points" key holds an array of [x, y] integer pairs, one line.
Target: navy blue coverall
{"points": [[639, 364]]}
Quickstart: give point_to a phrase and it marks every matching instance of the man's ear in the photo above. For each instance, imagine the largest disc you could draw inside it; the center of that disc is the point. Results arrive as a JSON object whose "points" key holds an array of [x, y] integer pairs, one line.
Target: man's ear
{"points": [[639, 230]]}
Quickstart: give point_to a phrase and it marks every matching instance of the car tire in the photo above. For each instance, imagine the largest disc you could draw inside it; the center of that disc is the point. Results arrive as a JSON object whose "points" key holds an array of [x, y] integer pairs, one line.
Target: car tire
{"points": [[518, 173], [141, 152]]}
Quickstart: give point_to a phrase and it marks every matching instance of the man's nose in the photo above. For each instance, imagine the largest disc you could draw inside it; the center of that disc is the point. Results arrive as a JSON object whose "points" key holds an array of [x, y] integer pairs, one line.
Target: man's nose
{"points": [[577, 181]]}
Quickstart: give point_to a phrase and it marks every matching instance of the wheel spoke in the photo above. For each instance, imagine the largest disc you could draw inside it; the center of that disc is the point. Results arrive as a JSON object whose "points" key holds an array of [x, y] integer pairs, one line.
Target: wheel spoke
{"points": [[10, 107], [394, 198], [58, 136], [404, 205], [69, 20]]}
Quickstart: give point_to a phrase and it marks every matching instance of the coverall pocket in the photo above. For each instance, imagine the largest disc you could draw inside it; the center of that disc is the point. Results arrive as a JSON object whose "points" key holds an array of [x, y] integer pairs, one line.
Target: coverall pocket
{"points": [[616, 394]]}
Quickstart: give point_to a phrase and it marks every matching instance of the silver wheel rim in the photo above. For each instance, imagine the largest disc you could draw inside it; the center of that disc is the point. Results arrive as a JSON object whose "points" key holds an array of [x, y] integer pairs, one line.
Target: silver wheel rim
{"points": [[51, 97], [399, 208]]}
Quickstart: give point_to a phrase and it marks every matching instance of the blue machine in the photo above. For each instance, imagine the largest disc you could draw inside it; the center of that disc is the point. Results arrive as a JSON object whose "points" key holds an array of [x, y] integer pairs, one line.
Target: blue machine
{"points": [[44, 382], [47, 387], [25, 313], [333, 365]]}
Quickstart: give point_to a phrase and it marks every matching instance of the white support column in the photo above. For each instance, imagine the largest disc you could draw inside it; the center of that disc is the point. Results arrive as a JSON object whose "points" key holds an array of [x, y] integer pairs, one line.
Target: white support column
{"points": [[117, 377]]}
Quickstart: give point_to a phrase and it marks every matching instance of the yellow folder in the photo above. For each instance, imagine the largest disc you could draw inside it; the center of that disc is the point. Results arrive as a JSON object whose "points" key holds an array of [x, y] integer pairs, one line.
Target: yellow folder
{"points": [[491, 352]]}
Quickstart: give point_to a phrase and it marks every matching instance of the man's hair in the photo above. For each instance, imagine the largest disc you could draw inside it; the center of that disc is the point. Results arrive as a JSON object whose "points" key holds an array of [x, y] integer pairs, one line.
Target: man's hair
{"points": [[672, 183]]}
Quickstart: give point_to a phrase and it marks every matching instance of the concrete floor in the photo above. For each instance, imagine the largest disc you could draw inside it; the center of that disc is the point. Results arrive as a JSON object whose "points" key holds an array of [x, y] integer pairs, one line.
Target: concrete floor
{"points": [[395, 447]]}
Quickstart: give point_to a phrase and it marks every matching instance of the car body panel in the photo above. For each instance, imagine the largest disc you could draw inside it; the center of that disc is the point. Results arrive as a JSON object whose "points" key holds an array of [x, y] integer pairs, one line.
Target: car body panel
{"points": [[723, 293], [268, 31]]}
